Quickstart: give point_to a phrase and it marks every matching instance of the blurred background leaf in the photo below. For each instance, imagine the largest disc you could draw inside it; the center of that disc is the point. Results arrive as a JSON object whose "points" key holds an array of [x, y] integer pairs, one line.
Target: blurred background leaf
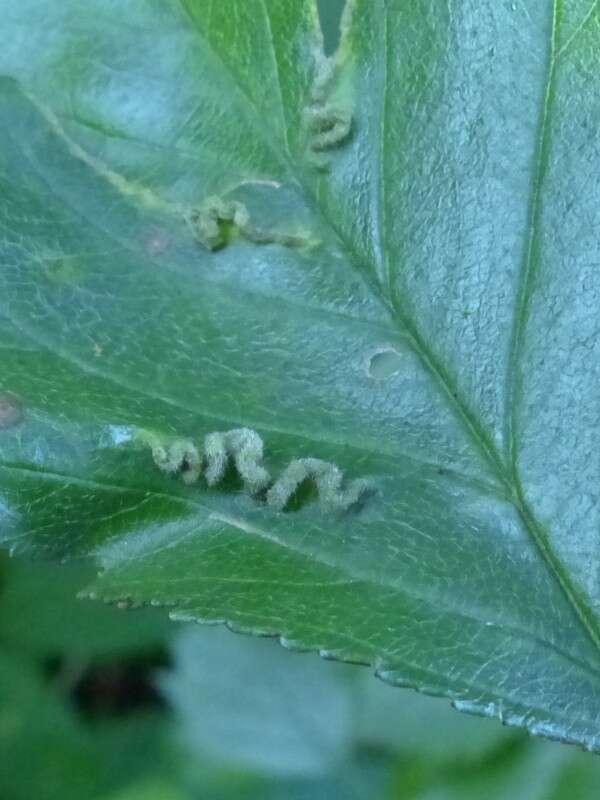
{"points": [[246, 701], [217, 715]]}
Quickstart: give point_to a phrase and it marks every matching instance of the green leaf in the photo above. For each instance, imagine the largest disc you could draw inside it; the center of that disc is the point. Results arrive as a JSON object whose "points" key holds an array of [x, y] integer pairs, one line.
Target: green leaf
{"points": [[402, 283]]}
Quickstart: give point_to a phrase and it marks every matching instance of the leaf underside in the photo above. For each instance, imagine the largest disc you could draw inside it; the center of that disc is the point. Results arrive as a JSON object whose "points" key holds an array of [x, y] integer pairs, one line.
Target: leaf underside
{"points": [[387, 263]]}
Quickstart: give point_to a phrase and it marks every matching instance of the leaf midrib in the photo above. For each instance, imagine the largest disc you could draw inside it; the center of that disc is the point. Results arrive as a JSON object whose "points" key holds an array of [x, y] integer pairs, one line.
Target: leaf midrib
{"points": [[406, 325], [524, 293], [124, 383], [471, 422]]}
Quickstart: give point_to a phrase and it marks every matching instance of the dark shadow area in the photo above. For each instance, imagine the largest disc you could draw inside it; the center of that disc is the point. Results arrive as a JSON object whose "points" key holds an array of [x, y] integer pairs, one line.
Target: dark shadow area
{"points": [[330, 13]]}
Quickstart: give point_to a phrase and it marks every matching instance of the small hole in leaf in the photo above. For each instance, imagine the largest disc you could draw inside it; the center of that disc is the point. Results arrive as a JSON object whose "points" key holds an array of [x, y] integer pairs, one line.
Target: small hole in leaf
{"points": [[384, 364]]}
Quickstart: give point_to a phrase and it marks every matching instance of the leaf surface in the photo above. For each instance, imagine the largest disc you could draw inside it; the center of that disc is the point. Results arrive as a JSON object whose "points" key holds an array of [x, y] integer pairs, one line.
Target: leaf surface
{"points": [[411, 298]]}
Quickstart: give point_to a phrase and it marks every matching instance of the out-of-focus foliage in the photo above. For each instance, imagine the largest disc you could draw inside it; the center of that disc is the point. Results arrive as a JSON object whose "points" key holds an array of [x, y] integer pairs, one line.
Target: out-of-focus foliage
{"points": [[384, 744], [65, 671], [234, 718], [246, 701]]}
